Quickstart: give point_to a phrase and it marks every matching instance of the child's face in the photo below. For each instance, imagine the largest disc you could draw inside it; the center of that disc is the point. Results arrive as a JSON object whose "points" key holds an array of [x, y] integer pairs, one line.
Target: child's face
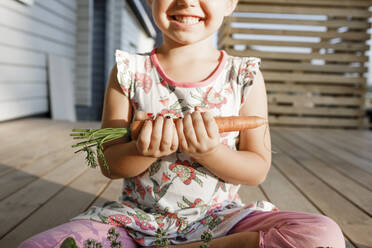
{"points": [[190, 30]]}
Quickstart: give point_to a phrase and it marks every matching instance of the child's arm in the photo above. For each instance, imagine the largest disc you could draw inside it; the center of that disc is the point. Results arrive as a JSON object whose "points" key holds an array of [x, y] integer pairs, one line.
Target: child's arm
{"points": [[127, 158], [122, 155], [251, 163]]}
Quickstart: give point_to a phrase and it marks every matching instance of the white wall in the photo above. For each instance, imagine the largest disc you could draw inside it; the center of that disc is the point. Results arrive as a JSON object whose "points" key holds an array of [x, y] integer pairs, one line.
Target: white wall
{"points": [[28, 35]]}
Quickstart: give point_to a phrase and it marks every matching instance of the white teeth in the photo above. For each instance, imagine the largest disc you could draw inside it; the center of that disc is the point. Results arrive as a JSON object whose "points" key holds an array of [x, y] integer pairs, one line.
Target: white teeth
{"points": [[188, 19]]}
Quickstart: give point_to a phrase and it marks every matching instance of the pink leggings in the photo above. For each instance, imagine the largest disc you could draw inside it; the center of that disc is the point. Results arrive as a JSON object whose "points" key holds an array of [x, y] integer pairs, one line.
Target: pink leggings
{"points": [[277, 230]]}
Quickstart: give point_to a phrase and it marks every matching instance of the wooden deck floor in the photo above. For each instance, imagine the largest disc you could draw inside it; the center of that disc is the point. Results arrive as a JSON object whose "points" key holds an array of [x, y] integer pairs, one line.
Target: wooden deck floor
{"points": [[43, 183]]}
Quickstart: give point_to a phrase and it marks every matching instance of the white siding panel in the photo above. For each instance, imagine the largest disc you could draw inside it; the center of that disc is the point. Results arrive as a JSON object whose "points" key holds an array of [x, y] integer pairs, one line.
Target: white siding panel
{"points": [[40, 14], [16, 109], [110, 59], [114, 12], [17, 73], [28, 35], [123, 31], [129, 42], [134, 38], [57, 8], [22, 91], [20, 39], [18, 56], [31, 26], [72, 4]]}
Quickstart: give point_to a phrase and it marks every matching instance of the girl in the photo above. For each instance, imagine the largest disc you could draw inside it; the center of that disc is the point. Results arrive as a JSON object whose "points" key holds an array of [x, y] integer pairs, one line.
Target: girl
{"points": [[182, 177]]}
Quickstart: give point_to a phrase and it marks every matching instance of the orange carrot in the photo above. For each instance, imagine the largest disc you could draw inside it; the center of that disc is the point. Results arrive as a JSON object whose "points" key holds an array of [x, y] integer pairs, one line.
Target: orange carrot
{"points": [[224, 123]]}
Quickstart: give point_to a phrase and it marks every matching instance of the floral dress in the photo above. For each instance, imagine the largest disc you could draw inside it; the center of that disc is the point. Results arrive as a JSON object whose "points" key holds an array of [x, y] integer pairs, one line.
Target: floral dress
{"points": [[177, 194]]}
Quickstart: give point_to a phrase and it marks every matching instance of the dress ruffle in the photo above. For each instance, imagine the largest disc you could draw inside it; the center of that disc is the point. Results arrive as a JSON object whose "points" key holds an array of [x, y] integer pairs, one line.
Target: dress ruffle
{"points": [[247, 72]]}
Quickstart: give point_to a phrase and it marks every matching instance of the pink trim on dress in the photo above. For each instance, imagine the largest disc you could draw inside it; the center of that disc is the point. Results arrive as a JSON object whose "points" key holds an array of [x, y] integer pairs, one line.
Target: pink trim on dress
{"points": [[172, 82]]}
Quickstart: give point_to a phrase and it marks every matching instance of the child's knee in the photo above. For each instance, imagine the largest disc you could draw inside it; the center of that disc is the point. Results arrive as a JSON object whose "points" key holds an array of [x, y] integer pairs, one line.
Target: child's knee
{"points": [[330, 232], [31, 243], [317, 231]]}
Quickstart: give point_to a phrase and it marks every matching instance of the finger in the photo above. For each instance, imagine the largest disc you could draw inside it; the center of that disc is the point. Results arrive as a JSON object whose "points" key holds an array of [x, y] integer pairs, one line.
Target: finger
{"points": [[204, 110], [166, 140], [188, 130], [210, 124], [182, 143], [140, 115], [175, 140], [201, 109], [144, 137], [198, 124], [157, 132]]}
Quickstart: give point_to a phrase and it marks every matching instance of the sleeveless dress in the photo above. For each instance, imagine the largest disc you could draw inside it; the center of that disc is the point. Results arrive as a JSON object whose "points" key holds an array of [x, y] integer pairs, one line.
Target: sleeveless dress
{"points": [[177, 194]]}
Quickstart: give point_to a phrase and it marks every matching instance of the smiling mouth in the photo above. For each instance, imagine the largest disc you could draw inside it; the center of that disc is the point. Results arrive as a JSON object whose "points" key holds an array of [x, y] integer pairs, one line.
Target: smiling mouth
{"points": [[188, 20]]}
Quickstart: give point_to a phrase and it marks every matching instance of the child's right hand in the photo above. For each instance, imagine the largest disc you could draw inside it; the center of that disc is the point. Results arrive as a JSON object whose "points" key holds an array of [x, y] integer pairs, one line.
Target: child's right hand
{"points": [[158, 137]]}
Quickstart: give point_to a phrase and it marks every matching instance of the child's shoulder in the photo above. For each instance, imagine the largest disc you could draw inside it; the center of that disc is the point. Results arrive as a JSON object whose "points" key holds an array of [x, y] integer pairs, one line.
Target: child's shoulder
{"points": [[245, 61], [246, 68], [125, 54], [127, 61]]}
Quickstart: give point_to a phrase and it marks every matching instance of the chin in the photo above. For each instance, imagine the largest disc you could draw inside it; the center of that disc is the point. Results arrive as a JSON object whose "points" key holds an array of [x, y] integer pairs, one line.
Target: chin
{"points": [[188, 40]]}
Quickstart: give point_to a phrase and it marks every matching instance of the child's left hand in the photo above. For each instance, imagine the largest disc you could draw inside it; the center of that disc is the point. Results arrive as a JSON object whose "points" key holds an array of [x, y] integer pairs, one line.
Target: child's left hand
{"points": [[198, 133]]}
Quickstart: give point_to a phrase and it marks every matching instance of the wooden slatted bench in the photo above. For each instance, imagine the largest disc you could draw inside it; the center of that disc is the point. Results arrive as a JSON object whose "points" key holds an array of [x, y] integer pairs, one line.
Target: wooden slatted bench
{"points": [[313, 57]]}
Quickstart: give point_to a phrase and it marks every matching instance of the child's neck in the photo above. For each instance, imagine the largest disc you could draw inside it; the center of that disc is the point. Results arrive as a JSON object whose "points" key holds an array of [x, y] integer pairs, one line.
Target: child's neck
{"points": [[188, 63], [178, 53]]}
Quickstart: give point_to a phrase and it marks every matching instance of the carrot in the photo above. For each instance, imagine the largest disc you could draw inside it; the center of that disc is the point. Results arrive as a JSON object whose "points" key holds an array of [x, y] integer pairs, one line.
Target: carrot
{"points": [[224, 123], [94, 138]]}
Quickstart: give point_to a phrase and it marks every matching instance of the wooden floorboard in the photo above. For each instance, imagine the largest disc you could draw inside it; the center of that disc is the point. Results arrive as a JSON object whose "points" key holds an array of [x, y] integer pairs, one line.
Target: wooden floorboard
{"points": [[24, 202], [349, 143], [335, 149], [14, 127], [69, 202], [354, 218], [54, 138], [341, 183], [322, 171], [321, 187], [285, 195], [320, 150], [17, 179]]}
